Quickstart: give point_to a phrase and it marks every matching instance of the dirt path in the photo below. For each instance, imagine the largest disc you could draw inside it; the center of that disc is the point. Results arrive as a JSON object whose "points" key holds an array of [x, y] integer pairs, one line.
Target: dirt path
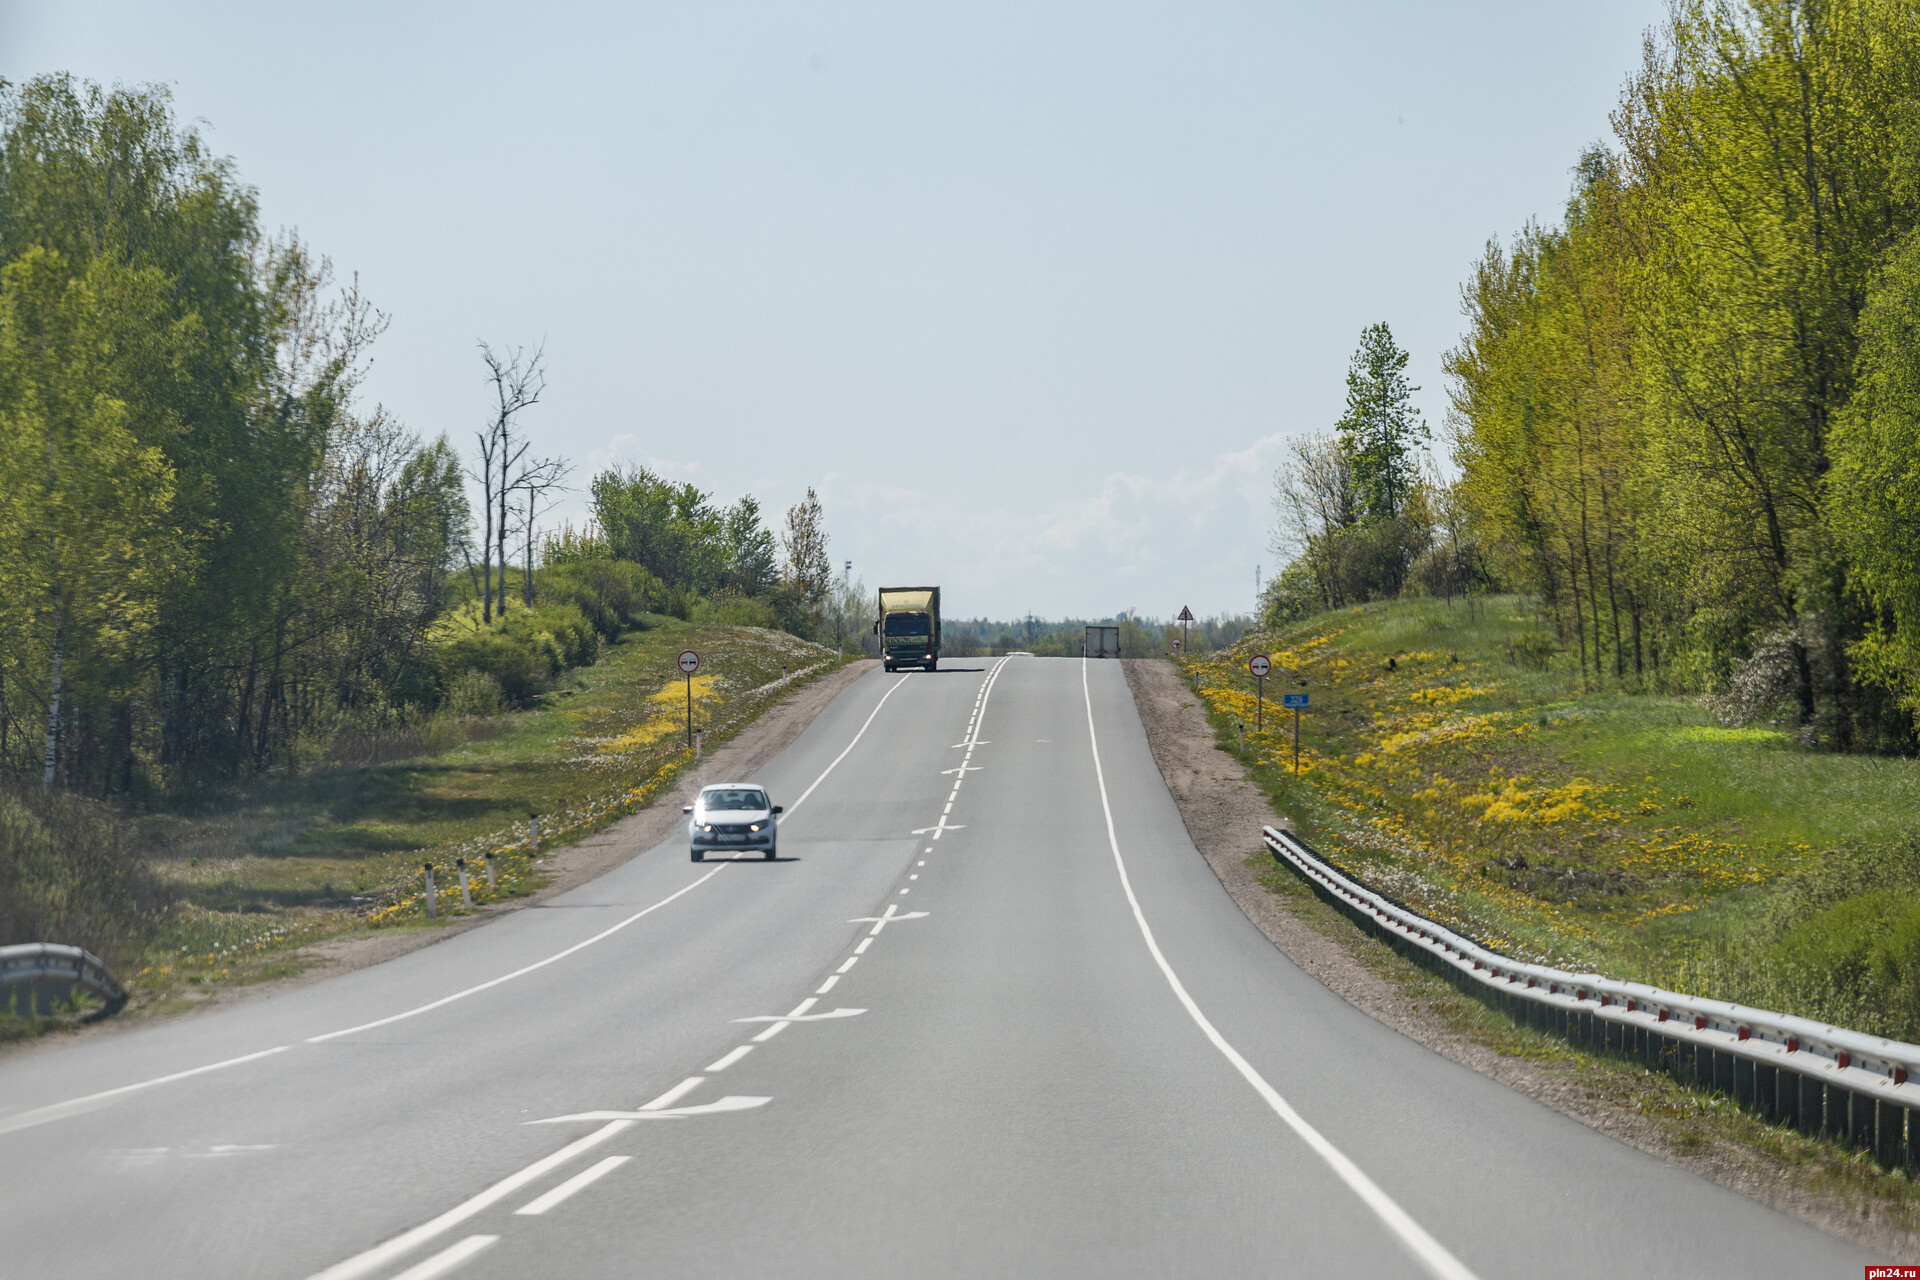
{"points": [[1224, 810]]}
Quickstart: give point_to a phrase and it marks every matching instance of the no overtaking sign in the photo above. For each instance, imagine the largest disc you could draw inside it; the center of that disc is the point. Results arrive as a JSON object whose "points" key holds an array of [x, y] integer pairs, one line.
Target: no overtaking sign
{"points": [[689, 661]]}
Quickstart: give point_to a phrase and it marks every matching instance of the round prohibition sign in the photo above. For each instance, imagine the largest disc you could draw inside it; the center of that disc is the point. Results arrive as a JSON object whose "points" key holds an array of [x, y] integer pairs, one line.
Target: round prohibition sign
{"points": [[689, 661], [1259, 664]]}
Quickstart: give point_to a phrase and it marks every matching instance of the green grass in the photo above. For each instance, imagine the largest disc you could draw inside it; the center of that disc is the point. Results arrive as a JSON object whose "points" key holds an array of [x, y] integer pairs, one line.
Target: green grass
{"points": [[263, 870], [1580, 823]]}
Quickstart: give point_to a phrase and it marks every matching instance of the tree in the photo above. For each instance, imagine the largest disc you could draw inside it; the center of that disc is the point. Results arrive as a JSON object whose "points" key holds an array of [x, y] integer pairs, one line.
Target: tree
{"points": [[518, 380], [1381, 431], [808, 573]]}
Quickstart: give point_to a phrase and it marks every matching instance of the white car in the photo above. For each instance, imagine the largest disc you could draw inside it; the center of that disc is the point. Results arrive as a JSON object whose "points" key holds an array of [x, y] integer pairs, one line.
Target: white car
{"points": [[729, 816]]}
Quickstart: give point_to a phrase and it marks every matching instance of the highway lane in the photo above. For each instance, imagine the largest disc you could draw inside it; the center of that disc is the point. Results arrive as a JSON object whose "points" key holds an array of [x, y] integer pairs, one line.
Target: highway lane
{"points": [[1023, 1092]]}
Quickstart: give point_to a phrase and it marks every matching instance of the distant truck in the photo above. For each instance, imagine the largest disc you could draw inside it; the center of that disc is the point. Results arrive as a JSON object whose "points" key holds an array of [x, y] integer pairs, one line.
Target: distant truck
{"points": [[1103, 642], [909, 627]]}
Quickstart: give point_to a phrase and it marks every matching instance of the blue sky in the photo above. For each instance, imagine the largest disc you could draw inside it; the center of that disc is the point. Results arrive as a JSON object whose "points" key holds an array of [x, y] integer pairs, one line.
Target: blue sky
{"points": [[1032, 294]]}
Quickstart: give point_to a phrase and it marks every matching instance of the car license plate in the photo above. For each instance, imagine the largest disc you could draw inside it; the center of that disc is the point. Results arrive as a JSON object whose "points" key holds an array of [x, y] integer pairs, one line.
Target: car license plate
{"points": [[733, 839]]}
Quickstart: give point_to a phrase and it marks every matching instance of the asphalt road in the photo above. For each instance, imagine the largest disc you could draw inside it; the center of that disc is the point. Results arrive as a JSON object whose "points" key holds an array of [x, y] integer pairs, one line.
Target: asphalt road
{"points": [[1025, 1032]]}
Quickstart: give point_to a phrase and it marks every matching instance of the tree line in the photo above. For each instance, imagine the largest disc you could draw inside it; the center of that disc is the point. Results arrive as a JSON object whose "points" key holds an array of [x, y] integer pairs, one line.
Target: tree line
{"points": [[213, 558], [1686, 415]]}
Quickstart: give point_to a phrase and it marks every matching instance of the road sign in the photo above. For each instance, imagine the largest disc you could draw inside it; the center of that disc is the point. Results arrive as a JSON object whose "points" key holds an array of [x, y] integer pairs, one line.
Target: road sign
{"points": [[1259, 664], [689, 661], [1295, 700], [1186, 614]]}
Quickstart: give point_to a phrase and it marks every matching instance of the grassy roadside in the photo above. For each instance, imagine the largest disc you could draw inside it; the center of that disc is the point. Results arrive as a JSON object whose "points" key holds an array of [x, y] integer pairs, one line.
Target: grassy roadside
{"points": [[258, 875], [1622, 832]]}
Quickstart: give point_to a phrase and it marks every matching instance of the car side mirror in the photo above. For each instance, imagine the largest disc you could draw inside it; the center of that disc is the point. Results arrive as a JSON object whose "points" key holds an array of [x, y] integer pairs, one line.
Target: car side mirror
{"points": [[779, 808], [686, 808]]}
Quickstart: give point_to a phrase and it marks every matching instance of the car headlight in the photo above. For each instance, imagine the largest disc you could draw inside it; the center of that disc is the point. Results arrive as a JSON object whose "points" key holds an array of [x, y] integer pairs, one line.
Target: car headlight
{"points": [[707, 827], [753, 826]]}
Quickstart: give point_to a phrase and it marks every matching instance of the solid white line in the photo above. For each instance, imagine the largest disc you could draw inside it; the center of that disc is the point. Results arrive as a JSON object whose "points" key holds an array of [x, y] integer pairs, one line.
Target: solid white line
{"points": [[851, 961], [826, 986], [517, 973], [380, 1255], [850, 746], [73, 1106], [447, 1259], [578, 1182], [674, 1094], [732, 1056], [1424, 1248]]}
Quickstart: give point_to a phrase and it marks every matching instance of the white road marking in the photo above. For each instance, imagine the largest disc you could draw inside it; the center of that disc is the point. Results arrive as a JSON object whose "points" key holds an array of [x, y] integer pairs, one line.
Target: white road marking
{"points": [[732, 1056], [782, 1019], [850, 746], [826, 986], [74, 1106], [447, 1259], [771, 1032], [732, 1102], [851, 961], [578, 1182], [864, 944], [1426, 1250], [906, 891], [380, 1255], [881, 922], [916, 874], [674, 1094], [517, 973]]}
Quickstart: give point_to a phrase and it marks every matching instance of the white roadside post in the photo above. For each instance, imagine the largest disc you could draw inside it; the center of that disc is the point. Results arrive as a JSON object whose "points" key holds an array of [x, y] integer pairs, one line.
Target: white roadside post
{"points": [[533, 835], [428, 868], [466, 898], [491, 882]]}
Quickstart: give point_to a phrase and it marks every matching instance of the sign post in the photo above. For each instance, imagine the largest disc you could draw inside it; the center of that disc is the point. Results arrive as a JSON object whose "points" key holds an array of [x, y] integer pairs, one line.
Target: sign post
{"points": [[1259, 664], [1297, 701], [1186, 616], [689, 663]]}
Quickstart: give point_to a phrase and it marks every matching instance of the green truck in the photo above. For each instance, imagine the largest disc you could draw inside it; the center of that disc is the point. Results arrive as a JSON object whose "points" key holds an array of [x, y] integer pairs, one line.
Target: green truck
{"points": [[909, 627]]}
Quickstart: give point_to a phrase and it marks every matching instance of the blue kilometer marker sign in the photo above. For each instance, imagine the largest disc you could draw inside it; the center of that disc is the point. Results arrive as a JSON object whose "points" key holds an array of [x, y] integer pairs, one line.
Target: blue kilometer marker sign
{"points": [[1296, 702]]}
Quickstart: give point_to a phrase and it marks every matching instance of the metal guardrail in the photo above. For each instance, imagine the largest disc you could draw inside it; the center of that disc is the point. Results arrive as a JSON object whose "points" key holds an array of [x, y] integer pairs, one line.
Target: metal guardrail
{"points": [[47, 962], [1821, 1079]]}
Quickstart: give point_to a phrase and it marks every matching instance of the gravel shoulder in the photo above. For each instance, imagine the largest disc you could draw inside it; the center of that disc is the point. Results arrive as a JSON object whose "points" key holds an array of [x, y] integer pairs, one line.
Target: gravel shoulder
{"points": [[1224, 811]]}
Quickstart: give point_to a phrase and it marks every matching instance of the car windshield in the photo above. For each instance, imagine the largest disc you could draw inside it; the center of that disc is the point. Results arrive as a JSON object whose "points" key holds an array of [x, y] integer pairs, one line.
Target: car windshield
{"points": [[908, 624], [733, 798]]}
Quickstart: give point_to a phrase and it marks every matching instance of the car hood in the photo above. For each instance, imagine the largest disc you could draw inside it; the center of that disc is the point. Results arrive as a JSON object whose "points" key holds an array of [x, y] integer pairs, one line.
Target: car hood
{"points": [[731, 816]]}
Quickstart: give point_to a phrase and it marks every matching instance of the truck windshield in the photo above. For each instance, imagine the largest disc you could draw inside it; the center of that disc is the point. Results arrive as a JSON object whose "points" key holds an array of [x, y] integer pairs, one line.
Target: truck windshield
{"points": [[908, 624]]}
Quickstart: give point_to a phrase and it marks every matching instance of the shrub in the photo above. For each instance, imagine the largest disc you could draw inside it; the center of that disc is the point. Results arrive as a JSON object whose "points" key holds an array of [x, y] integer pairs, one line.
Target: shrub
{"points": [[516, 667], [729, 608], [474, 693], [559, 632], [611, 594]]}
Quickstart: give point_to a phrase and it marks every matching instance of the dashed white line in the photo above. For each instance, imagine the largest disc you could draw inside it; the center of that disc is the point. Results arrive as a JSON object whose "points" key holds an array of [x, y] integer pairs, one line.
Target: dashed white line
{"points": [[772, 1030], [1426, 1250], [578, 1182], [826, 986], [674, 1094], [864, 944], [916, 875], [851, 961], [447, 1259], [906, 891], [406, 1242], [732, 1056]]}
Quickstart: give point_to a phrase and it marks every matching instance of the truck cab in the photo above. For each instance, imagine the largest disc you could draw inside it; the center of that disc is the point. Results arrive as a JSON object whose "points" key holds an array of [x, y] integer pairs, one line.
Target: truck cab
{"points": [[909, 627]]}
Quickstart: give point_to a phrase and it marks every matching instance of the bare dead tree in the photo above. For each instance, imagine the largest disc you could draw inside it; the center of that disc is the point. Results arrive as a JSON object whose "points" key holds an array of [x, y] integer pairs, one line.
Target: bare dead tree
{"points": [[518, 378], [535, 482]]}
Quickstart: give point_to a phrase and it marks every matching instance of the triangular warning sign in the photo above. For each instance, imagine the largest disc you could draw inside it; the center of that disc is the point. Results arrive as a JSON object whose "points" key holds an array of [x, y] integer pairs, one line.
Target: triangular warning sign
{"points": [[1186, 614]]}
